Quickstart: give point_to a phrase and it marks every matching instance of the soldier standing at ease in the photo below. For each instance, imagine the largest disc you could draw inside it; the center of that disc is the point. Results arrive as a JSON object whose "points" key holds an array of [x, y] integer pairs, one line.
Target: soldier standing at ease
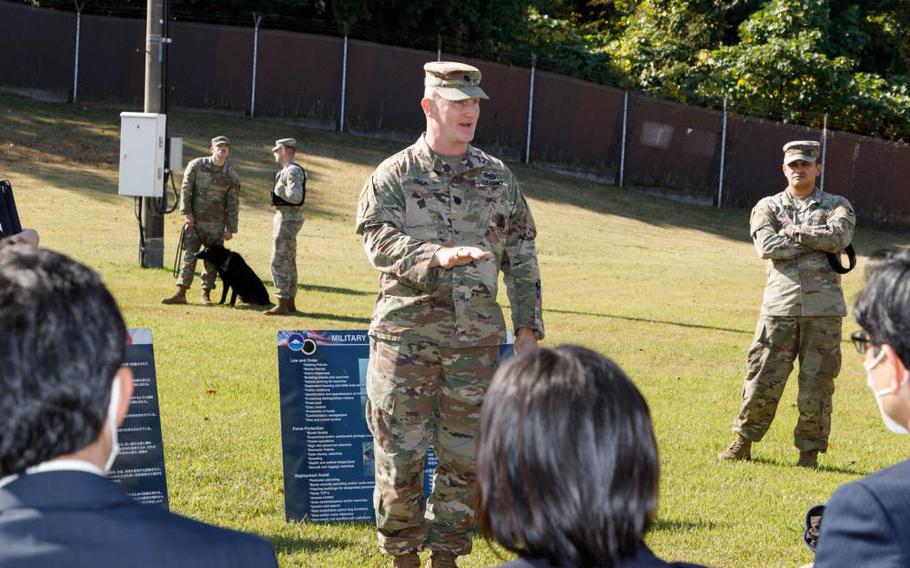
{"points": [[209, 202], [802, 309], [439, 220], [287, 198]]}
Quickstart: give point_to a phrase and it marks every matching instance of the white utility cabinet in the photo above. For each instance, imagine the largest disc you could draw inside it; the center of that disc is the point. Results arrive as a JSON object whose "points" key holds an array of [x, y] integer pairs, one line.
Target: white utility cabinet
{"points": [[142, 140]]}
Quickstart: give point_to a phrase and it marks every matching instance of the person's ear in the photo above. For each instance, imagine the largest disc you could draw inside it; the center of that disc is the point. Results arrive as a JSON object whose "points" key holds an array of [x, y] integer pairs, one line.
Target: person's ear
{"points": [[126, 393], [894, 363], [426, 104]]}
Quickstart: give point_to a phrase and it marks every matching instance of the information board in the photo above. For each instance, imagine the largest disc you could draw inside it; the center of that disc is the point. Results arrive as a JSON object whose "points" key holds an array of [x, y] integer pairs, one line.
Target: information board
{"points": [[327, 449], [139, 468]]}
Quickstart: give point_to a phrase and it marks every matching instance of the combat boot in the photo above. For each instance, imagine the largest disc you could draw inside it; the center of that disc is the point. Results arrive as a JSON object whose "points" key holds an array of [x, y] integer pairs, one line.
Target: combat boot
{"points": [[439, 559], [409, 560], [808, 458], [206, 297], [281, 309], [740, 449], [179, 296]]}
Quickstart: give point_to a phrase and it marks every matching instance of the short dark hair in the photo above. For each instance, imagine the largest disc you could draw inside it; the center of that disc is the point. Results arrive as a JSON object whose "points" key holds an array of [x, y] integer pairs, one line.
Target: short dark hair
{"points": [[62, 339], [883, 306], [567, 462]]}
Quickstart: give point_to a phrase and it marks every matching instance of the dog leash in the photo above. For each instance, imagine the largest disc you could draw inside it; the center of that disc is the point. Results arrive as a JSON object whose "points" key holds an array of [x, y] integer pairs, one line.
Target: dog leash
{"points": [[179, 251]]}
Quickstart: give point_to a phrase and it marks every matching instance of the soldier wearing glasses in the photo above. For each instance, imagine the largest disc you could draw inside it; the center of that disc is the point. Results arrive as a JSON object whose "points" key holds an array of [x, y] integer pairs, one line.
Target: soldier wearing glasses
{"points": [[802, 309]]}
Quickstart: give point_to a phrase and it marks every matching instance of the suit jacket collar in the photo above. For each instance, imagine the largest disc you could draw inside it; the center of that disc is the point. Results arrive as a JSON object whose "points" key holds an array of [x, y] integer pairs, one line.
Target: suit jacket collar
{"points": [[71, 489]]}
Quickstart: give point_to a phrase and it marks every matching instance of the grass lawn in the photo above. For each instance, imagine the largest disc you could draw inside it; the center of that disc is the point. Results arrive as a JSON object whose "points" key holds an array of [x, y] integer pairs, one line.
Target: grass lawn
{"points": [[670, 291]]}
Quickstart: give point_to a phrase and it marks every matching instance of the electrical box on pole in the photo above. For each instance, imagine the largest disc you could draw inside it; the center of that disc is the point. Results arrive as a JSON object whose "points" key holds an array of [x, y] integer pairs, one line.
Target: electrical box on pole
{"points": [[142, 142]]}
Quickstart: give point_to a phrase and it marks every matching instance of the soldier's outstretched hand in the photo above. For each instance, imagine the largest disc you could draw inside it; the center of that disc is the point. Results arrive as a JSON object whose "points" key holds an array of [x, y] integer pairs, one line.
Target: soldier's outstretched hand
{"points": [[449, 257]]}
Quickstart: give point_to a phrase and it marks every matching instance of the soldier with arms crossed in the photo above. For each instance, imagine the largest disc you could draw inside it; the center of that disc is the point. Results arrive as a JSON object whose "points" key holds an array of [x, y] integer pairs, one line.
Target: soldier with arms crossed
{"points": [[287, 198], [439, 220], [802, 310]]}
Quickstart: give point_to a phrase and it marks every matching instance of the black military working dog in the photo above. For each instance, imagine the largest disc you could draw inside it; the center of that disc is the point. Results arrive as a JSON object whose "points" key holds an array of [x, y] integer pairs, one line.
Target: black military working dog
{"points": [[237, 275]]}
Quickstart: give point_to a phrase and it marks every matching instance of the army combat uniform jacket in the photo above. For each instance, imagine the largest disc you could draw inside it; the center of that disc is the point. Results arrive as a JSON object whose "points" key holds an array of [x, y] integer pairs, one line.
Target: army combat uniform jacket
{"points": [[793, 235], [414, 204], [289, 186], [212, 194]]}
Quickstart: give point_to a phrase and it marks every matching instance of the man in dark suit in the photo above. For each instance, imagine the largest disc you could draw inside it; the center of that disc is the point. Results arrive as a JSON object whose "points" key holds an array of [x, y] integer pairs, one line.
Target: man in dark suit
{"points": [[867, 522], [63, 392]]}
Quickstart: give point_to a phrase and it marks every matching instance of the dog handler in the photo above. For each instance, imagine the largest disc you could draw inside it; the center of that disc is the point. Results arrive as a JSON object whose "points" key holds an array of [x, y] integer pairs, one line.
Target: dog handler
{"points": [[209, 202]]}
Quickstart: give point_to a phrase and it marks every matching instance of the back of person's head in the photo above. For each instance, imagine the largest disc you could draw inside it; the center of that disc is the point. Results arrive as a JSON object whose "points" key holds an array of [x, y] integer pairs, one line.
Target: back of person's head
{"points": [[62, 340], [883, 307], [567, 460]]}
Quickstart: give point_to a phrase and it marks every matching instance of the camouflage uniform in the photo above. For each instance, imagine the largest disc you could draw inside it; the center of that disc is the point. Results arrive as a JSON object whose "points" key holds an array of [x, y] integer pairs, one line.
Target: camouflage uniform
{"points": [[212, 195], [288, 220], [800, 315], [435, 332]]}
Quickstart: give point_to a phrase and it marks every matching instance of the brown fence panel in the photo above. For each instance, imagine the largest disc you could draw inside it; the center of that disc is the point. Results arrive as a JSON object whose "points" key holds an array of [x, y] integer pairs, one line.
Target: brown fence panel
{"points": [[673, 146], [503, 125], [576, 124], [112, 60], [754, 156], [38, 47], [210, 66], [384, 87], [873, 174], [299, 75]]}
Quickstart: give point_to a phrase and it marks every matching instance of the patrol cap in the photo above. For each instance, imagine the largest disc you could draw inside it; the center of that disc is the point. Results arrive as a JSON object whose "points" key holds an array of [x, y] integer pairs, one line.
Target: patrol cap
{"points": [[453, 81], [286, 142], [221, 140], [805, 150]]}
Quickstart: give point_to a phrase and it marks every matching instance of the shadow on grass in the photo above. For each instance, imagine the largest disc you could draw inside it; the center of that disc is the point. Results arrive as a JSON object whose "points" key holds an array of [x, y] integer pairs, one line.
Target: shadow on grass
{"points": [[294, 545], [335, 317], [648, 320], [333, 290], [682, 525], [825, 468]]}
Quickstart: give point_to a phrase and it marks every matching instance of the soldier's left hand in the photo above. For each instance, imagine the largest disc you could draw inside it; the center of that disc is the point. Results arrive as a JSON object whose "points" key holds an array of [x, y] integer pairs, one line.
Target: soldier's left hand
{"points": [[788, 230], [228, 235], [525, 340]]}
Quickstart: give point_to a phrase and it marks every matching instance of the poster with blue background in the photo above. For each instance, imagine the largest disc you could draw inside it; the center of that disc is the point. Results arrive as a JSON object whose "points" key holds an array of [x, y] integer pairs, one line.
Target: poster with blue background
{"points": [[139, 467], [327, 449]]}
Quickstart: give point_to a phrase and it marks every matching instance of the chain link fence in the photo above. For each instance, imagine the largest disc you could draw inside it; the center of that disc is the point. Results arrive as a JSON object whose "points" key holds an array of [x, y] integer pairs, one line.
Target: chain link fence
{"points": [[689, 153]]}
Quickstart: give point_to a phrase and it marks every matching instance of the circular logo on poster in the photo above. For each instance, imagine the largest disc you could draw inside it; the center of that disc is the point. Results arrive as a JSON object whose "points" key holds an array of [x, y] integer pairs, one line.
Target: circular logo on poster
{"points": [[295, 342], [309, 347]]}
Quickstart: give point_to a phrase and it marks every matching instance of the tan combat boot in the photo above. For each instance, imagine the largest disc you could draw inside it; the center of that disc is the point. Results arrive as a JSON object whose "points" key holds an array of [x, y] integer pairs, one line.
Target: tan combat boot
{"points": [[808, 458], [206, 297], [409, 560], [439, 559], [740, 449], [281, 309], [179, 296]]}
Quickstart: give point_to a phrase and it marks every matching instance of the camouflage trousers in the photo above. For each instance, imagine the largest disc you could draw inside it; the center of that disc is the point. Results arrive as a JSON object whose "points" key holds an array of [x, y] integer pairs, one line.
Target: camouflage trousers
{"points": [[815, 341], [418, 391], [193, 240], [284, 255]]}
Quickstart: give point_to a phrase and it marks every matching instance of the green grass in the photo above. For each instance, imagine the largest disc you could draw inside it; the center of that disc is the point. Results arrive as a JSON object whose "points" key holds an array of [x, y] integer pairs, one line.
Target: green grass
{"points": [[670, 291]]}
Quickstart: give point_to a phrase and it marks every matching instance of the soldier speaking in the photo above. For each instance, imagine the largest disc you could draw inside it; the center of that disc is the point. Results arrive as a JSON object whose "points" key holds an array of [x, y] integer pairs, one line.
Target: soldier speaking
{"points": [[795, 231], [439, 220]]}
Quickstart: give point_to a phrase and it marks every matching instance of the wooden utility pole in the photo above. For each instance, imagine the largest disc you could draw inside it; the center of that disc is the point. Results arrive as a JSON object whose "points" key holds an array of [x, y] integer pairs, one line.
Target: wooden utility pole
{"points": [[152, 254]]}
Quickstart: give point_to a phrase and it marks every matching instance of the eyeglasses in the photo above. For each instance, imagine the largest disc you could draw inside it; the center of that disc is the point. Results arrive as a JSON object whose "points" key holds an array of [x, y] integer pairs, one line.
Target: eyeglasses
{"points": [[862, 342]]}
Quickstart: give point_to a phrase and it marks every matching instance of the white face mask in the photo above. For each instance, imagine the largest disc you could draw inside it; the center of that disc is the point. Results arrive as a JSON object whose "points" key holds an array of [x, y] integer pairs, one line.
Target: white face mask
{"points": [[890, 423], [112, 423]]}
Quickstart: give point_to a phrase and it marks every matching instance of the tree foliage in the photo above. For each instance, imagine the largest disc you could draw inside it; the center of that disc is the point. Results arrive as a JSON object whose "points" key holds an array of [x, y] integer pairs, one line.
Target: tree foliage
{"points": [[794, 60]]}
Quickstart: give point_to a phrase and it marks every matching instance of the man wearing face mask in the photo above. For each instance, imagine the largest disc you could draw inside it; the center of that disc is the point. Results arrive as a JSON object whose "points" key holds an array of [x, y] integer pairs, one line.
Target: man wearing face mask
{"points": [[63, 393], [803, 305], [867, 522]]}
